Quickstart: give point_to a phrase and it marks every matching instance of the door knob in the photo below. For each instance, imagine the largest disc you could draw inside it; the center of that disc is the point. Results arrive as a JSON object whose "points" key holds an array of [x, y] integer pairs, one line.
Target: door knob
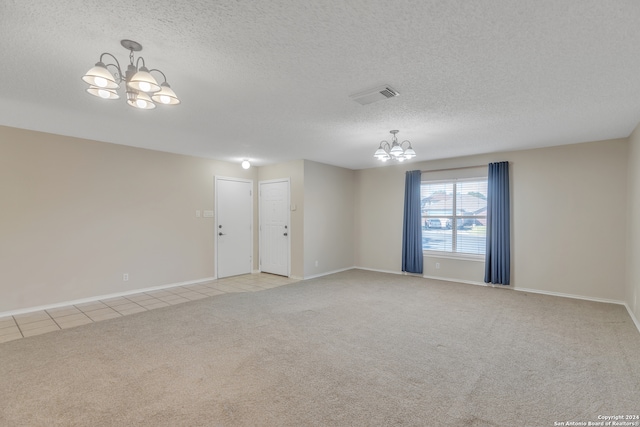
{"points": [[286, 234], [221, 234]]}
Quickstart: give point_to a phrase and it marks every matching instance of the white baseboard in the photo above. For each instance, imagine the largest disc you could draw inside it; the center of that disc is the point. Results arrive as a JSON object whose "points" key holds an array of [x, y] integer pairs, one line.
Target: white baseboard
{"points": [[573, 296], [533, 291], [470, 282], [380, 271], [103, 297], [448, 279], [209, 279], [551, 293], [633, 317], [560, 294], [328, 273]]}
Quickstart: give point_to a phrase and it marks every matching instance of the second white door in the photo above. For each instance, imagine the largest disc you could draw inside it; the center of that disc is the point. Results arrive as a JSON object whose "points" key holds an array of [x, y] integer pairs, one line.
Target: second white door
{"points": [[275, 232], [234, 234]]}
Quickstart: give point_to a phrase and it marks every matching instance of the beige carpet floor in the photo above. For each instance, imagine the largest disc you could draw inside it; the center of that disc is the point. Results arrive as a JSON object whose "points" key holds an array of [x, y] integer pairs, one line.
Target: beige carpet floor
{"points": [[356, 348]]}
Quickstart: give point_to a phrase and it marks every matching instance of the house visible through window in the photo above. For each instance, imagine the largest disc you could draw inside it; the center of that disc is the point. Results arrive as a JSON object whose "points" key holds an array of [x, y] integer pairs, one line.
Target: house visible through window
{"points": [[454, 216]]}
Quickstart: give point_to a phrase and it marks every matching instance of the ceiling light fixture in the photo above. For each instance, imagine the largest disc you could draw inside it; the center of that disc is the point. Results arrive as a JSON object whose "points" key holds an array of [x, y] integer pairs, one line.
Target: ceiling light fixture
{"points": [[246, 164], [142, 89], [394, 150]]}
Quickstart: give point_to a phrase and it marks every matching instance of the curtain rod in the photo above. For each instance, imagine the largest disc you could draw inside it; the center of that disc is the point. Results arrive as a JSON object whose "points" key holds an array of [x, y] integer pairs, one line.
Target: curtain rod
{"points": [[455, 169]]}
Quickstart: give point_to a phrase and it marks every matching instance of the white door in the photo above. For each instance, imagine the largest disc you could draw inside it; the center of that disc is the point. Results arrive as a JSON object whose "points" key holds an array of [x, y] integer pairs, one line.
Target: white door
{"points": [[275, 233], [234, 234]]}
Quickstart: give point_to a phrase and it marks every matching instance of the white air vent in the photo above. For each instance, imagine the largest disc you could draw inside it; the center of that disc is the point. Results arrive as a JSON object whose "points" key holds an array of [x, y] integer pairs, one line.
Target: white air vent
{"points": [[373, 95]]}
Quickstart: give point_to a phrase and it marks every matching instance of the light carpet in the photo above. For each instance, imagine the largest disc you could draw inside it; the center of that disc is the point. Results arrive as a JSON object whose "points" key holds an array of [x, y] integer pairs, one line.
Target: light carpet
{"points": [[356, 348]]}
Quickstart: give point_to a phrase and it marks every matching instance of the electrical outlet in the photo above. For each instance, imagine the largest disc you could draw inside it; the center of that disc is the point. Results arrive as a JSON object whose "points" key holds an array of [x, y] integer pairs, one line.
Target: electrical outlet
{"points": [[316, 263], [125, 277], [437, 265], [197, 214]]}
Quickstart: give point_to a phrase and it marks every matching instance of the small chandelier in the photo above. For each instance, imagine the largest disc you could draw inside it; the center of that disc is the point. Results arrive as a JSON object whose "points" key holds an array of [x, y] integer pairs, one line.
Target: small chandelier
{"points": [[142, 89], [394, 150]]}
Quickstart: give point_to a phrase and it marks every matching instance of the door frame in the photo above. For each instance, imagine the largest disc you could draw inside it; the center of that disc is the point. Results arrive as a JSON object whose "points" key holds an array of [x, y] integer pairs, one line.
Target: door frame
{"points": [[260, 240], [217, 178]]}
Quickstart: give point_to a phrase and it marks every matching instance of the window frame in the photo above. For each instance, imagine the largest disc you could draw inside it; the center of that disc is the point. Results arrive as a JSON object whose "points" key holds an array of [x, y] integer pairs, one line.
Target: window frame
{"points": [[453, 217]]}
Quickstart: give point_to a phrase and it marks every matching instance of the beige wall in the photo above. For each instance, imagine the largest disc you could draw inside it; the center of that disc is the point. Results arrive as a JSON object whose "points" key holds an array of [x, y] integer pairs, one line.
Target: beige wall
{"points": [[579, 245], [295, 172], [77, 214], [379, 211], [567, 206], [322, 224], [633, 225], [328, 218]]}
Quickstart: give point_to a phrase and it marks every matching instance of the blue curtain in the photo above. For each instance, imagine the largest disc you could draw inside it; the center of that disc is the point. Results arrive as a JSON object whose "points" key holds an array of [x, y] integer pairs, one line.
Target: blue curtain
{"points": [[498, 256], [412, 230]]}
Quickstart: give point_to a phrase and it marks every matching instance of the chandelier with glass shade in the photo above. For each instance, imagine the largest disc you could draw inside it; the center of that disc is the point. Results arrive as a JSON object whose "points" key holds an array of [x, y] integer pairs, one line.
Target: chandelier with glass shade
{"points": [[142, 89], [394, 150]]}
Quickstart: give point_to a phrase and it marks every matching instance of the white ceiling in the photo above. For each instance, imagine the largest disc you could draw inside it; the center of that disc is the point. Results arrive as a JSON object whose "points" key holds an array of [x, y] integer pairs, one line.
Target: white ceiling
{"points": [[270, 80]]}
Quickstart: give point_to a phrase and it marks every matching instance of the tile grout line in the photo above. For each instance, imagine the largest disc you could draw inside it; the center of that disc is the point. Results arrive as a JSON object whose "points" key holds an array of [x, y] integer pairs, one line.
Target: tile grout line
{"points": [[80, 312], [17, 325], [54, 320], [134, 302]]}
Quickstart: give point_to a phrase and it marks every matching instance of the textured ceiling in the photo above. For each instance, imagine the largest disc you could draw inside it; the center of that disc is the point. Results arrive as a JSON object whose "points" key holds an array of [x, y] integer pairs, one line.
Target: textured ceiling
{"points": [[270, 80]]}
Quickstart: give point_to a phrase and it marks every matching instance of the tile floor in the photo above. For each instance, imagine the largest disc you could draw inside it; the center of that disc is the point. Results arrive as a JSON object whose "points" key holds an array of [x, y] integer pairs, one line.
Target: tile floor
{"points": [[40, 322]]}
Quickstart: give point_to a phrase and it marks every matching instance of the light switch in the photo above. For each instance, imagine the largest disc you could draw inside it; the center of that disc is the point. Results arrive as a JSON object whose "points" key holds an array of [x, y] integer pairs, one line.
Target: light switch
{"points": [[197, 214], [207, 214]]}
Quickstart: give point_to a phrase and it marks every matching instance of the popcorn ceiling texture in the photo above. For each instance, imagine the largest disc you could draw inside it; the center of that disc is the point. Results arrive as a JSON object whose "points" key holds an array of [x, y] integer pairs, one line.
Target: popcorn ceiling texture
{"points": [[271, 80]]}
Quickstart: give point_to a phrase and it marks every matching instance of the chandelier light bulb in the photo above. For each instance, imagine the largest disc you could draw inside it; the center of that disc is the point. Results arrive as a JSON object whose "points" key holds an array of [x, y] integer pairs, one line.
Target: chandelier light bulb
{"points": [[166, 95], [103, 93], [396, 150], [409, 153], [144, 81], [140, 100], [100, 81], [145, 86], [99, 76]]}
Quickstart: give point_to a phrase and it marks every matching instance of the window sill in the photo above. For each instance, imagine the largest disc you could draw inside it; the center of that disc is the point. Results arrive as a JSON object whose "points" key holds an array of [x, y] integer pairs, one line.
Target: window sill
{"points": [[453, 255]]}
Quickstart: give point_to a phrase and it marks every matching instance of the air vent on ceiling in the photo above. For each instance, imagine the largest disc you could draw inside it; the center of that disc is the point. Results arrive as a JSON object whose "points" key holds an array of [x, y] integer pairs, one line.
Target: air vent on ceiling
{"points": [[373, 95]]}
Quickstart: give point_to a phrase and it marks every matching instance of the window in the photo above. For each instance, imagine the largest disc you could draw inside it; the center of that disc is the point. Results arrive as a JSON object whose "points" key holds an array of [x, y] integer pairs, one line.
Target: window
{"points": [[454, 216]]}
